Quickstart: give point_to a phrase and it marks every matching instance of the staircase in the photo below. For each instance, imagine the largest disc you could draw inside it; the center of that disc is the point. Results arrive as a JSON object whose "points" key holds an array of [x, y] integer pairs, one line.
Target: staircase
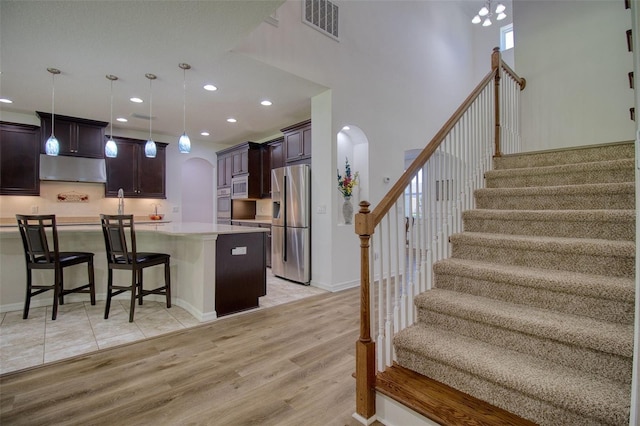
{"points": [[533, 313]]}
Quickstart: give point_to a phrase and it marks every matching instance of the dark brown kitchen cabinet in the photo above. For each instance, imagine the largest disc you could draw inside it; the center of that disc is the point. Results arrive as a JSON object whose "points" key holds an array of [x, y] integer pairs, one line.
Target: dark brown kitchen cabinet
{"points": [[277, 153], [272, 158], [297, 143], [246, 159], [267, 240], [19, 159], [240, 162], [245, 167], [241, 274], [225, 165], [78, 137], [137, 175]]}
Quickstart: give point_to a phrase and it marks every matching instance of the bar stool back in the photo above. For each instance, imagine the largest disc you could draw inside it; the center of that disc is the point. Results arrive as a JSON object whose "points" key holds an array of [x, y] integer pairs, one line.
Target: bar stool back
{"points": [[38, 255], [117, 230]]}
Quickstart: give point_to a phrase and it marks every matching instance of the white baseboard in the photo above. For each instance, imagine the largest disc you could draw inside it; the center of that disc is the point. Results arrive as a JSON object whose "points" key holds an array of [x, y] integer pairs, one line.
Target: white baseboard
{"points": [[336, 287], [362, 420]]}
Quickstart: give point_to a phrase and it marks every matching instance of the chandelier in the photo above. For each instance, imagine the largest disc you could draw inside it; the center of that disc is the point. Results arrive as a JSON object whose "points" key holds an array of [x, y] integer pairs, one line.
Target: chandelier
{"points": [[485, 14]]}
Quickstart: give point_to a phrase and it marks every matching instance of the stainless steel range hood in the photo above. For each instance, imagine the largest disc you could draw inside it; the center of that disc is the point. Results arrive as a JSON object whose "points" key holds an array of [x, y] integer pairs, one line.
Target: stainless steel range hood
{"points": [[72, 169]]}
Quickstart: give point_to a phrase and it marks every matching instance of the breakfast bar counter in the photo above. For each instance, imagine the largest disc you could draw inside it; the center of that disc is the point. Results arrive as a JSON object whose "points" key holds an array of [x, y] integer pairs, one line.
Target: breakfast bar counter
{"points": [[215, 269]]}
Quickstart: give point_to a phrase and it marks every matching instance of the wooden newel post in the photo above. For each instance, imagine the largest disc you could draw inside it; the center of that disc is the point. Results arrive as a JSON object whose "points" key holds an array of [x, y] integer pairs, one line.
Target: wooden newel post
{"points": [[496, 65], [365, 347]]}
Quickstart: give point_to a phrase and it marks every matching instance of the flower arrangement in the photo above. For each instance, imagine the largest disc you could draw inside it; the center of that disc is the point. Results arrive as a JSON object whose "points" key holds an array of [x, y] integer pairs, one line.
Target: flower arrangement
{"points": [[347, 182]]}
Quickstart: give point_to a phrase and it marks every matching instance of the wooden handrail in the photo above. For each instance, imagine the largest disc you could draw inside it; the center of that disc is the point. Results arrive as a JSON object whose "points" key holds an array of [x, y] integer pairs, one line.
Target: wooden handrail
{"points": [[522, 82]]}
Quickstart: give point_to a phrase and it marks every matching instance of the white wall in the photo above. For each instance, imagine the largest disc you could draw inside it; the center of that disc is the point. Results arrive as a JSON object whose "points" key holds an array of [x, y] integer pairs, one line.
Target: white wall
{"points": [[575, 59], [398, 72]]}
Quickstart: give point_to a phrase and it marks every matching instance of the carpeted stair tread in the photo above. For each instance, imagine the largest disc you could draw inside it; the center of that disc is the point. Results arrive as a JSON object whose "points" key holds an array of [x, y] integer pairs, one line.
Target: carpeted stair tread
{"points": [[602, 287], [589, 153], [621, 170], [591, 256], [606, 248], [561, 197], [591, 396], [609, 224], [577, 330], [561, 291]]}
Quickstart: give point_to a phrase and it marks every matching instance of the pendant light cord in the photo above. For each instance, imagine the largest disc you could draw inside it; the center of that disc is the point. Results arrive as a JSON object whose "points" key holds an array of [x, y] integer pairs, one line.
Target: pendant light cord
{"points": [[111, 112], [150, 104], [53, 97], [184, 101]]}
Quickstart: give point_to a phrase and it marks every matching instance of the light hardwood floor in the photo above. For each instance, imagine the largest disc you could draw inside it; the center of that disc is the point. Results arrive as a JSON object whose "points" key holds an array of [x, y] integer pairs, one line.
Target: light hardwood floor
{"points": [[286, 365]]}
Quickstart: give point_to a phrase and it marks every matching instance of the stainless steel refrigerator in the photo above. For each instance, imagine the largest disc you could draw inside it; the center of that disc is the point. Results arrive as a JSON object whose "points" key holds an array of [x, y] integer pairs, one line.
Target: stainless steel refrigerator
{"points": [[290, 226]]}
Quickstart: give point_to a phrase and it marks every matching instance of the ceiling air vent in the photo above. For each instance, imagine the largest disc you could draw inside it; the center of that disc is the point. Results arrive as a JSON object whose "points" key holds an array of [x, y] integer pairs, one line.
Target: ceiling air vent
{"points": [[321, 15]]}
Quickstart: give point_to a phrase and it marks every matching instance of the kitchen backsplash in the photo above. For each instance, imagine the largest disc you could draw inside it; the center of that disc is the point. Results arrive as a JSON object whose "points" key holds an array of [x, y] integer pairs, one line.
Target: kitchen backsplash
{"points": [[77, 199], [74, 199]]}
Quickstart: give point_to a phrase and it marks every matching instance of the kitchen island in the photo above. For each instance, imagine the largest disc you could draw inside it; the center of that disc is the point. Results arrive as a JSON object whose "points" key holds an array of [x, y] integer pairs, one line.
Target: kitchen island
{"points": [[215, 269]]}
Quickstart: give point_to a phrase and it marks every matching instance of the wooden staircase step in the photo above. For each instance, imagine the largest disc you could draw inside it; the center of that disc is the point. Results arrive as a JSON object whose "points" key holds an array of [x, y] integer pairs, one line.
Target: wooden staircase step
{"points": [[441, 403]]}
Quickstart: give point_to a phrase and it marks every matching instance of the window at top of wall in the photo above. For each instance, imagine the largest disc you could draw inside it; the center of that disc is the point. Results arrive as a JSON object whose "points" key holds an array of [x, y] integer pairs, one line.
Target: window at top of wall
{"points": [[506, 37]]}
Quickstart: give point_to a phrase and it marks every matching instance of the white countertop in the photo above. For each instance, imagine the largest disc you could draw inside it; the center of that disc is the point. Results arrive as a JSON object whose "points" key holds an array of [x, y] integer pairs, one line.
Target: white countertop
{"points": [[196, 228], [168, 228]]}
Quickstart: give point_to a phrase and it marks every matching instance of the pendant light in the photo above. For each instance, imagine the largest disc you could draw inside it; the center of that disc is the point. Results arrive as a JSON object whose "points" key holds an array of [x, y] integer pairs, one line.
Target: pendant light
{"points": [[184, 143], [150, 147], [52, 146], [111, 149]]}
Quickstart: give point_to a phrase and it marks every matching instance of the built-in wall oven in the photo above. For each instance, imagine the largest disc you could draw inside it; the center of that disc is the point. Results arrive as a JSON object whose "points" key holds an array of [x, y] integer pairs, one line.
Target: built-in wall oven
{"points": [[224, 206]]}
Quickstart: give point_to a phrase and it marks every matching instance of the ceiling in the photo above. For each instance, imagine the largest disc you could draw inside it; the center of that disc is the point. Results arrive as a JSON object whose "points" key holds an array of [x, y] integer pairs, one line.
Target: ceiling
{"points": [[86, 40]]}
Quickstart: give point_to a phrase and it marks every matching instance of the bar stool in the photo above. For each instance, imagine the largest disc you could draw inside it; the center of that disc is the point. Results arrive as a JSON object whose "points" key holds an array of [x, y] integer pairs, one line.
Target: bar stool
{"points": [[117, 229], [38, 255]]}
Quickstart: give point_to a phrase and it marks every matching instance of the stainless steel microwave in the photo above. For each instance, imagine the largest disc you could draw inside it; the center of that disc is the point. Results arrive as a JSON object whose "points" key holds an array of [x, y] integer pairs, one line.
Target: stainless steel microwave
{"points": [[240, 187]]}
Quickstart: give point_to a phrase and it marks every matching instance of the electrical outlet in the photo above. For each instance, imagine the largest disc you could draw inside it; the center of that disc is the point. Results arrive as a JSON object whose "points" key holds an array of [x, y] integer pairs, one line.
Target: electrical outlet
{"points": [[176, 209], [321, 209], [34, 209]]}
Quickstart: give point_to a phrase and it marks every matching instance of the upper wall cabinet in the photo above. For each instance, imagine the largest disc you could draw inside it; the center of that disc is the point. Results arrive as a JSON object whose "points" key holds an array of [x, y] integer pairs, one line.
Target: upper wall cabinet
{"points": [[241, 168], [137, 175], [297, 143], [225, 167], [272, 158], [78, 137], [19, 159]]}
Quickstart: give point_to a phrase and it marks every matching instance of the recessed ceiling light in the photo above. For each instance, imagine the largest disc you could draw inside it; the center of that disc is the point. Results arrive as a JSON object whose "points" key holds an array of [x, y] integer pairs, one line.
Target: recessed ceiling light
{"points": [[232, 120], [266, 103], [346, 128], [210, 87], [204, 133], [6, 101], [136, 100], [122, 119]]}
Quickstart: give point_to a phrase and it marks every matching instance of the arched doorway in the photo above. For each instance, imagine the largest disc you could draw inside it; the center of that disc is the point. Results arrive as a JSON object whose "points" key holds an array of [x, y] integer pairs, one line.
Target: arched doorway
{"points": [[197, 190]]}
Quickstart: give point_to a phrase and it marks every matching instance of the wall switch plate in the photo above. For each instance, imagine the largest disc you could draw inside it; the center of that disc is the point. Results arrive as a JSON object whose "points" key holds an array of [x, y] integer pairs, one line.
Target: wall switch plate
{"points": [[34, 209], [176, 209], [321, 209]]}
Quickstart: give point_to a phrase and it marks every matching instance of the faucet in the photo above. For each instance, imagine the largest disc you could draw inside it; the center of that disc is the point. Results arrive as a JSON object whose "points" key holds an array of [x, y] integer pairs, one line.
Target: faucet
{"points": [[120, 201]]}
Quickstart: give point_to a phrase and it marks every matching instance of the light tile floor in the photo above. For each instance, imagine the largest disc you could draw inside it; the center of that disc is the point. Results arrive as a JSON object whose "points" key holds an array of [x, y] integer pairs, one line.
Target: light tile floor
{"points": [[80, 327]]}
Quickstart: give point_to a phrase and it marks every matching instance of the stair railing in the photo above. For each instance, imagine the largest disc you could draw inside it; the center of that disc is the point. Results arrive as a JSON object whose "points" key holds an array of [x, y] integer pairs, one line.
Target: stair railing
{"points": [[409, 229]]}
